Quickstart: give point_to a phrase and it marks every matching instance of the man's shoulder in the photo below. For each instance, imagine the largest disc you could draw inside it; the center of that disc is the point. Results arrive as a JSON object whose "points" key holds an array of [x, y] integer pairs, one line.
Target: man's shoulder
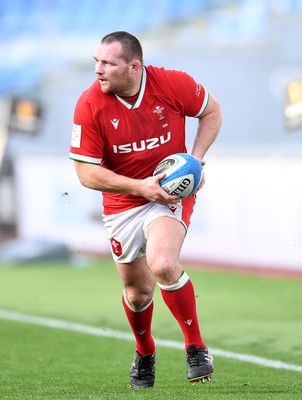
{"points": [[163, 70], [93, 91], [164, 74], [94, 95]]}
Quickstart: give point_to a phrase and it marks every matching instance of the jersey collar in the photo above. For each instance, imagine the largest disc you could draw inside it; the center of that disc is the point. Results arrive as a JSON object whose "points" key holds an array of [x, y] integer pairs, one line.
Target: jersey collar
{"points": [[140, 93]]}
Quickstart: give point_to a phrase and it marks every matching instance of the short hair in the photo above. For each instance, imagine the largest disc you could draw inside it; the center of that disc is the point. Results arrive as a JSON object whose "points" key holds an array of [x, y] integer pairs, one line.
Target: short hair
{"points": [[132, 48]]}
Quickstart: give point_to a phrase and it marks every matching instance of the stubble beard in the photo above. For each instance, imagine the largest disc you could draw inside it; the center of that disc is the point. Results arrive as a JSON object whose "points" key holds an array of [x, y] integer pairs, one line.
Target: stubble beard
{"points": [[122, 88]]}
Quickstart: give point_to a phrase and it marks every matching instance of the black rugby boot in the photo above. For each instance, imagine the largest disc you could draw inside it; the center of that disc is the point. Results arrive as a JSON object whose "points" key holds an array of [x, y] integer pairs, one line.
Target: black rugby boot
{"points": [[142, 373], [200, 364]]}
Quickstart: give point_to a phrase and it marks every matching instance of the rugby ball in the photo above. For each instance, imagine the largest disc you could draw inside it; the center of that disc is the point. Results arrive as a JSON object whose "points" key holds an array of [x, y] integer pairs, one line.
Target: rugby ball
{"points": [[183, 174]]}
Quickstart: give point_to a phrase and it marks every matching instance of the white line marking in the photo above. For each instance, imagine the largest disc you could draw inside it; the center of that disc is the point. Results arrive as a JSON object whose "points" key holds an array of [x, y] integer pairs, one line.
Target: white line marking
{"points": [[92, 330]]}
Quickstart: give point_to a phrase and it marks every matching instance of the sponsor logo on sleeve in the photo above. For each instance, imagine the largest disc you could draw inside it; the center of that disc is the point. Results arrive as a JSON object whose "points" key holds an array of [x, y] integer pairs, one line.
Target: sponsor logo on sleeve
{"points": [[76, 136]]}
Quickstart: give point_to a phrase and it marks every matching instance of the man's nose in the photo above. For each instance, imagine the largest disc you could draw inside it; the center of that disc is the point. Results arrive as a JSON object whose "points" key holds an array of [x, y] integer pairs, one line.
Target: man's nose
{"points": [[99, 68]]}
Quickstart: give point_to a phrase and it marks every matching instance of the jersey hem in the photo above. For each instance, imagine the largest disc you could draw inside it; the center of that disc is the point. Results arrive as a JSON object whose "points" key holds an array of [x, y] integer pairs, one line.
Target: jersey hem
{"points": [[204, 105], [86, 159]]}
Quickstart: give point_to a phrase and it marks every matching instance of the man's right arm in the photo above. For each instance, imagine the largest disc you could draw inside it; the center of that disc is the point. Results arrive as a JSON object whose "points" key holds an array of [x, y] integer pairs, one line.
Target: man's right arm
{"points": [[99, 178]]}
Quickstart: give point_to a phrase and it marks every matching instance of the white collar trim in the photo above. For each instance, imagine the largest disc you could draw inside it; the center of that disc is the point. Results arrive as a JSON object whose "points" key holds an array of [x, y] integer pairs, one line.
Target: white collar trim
{"points": [[140, 93]]}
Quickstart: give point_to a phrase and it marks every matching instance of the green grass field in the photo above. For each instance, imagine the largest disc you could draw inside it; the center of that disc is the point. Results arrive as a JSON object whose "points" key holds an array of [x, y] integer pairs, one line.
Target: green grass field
{"points": [[240, 314]]}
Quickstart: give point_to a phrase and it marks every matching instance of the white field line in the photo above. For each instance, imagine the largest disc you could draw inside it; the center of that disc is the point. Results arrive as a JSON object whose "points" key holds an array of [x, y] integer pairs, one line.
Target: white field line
{"points": [[92, 330]]}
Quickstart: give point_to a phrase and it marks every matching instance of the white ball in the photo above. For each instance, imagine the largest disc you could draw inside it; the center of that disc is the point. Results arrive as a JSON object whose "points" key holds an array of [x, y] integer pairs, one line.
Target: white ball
{"points": [[183, 174]]}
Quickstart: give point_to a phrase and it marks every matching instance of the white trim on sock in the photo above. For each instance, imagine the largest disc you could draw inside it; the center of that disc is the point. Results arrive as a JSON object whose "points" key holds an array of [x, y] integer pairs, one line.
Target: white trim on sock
{"points": [[184, 278], [131, 306]]}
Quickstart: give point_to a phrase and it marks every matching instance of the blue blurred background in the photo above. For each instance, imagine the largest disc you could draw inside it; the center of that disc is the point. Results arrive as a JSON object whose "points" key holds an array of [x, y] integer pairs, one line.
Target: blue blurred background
{"points": [[246, 53]]}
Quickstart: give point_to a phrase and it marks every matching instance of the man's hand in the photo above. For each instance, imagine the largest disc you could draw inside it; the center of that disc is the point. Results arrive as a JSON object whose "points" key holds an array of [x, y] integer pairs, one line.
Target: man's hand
{"points": [[152, 191]]}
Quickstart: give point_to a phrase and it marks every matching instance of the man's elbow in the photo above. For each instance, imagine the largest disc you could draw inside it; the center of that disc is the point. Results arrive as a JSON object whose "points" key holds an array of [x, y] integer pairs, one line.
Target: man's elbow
{"points": [[83, 173], [84, 181]]}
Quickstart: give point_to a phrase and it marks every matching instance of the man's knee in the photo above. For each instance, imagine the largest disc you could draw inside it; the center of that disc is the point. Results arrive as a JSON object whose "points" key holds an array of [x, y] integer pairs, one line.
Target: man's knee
{"points": [[138, 298], [165, 269]]}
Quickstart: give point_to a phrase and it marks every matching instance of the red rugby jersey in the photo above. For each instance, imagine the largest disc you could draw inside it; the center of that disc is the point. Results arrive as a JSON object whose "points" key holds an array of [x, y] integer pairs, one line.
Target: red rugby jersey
{"points": [[131, 139]]}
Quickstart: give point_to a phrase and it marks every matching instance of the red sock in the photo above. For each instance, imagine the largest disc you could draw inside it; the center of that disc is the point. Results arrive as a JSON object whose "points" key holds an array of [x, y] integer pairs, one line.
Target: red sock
{"points": [[140, 323], [182, 304]]}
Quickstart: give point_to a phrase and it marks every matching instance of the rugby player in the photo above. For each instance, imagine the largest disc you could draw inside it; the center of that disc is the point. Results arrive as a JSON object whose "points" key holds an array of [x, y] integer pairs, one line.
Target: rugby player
{"points": [[125, 123]]}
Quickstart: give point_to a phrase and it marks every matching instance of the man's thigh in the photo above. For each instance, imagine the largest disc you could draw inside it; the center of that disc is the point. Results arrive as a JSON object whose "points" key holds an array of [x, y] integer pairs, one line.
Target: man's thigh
{"points": [[137, 277], [165, 237]]}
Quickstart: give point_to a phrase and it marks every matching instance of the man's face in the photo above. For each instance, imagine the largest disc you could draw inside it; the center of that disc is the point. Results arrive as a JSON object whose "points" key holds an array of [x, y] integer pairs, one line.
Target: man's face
{"points": [[112, 71]]}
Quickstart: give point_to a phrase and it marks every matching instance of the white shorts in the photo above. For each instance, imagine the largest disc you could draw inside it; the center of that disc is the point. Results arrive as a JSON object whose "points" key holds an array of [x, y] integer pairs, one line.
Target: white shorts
{"points": [[127, 230]]}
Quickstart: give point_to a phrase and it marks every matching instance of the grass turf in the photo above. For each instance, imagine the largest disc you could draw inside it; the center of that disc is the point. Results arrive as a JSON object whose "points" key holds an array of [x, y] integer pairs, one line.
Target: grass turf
{"points": [[245, 314]]}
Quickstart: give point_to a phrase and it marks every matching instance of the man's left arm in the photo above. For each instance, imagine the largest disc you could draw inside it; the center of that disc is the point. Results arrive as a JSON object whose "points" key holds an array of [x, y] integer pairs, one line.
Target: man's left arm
{"points": [[209, 124]]}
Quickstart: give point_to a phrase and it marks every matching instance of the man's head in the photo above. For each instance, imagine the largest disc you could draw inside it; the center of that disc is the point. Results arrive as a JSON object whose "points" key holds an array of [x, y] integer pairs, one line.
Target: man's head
{"points": [[131, 46], [119, 62]]}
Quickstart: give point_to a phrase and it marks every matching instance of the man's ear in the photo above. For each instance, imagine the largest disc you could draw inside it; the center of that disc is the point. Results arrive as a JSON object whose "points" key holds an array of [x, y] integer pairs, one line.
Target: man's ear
{"points": [[135, 66]]}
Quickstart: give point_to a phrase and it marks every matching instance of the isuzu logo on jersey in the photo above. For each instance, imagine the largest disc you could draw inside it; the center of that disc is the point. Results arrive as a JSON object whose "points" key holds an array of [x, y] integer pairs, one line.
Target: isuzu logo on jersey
{"points": [[142, 145]]}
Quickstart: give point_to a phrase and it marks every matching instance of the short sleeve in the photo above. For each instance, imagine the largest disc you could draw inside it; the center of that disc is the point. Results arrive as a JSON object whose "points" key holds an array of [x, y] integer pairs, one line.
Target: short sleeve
{"points": [[192, 96], [86, 139]]}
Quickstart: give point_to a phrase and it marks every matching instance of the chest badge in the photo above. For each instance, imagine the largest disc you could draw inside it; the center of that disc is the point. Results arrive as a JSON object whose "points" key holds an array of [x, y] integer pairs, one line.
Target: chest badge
{"points": [[159, 111]]}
